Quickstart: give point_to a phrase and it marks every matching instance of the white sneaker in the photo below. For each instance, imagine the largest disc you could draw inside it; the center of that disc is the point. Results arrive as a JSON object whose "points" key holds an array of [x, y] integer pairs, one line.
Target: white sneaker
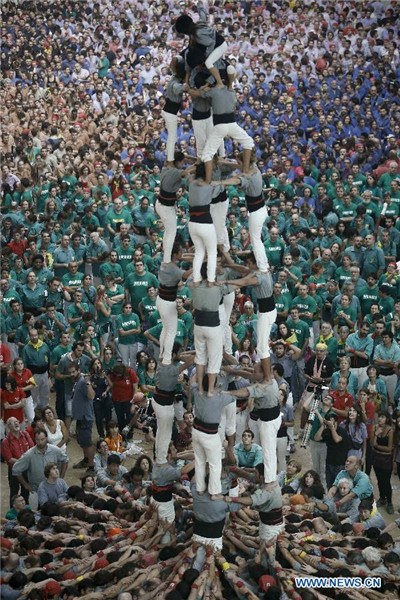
{"points": [[299, 434], [125, 430]]}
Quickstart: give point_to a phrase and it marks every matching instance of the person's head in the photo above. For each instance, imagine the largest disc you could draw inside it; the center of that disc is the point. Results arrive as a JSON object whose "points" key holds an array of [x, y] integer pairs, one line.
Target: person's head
{"points": [[310, 478], [102, 447], [352, 465], [112, 429], [145, 463], [293, 467], [385, 418], [48, 414], [74, 371], [345, 486], [18, 502], [40, 439], [247, 438], [387, 337], [88, 482], [391, 560], [51, 471], [113, 464], [321, 351], [372, 557]]}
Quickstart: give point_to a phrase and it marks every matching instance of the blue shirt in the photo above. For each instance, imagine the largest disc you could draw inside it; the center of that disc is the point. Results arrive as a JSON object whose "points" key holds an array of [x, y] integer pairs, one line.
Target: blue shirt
{"points": [[248, 458], [362, 485]]}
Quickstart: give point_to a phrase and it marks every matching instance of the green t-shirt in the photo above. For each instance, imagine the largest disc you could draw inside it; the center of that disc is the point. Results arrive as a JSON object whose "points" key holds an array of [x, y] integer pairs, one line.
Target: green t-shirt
{"points": [[137, 286], [301, 329], [304, 305], [342, 276], [116, 308], [367, 296], [127, 322]]}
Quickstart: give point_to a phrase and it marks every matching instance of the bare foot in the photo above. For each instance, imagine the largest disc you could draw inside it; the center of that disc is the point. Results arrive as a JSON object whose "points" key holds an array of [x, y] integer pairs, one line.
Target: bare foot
{"points": [[210, 393], [219, 86], [269, 381], [217, 497], [210, 284], [201, 391], [196, 283], [201, 493]]}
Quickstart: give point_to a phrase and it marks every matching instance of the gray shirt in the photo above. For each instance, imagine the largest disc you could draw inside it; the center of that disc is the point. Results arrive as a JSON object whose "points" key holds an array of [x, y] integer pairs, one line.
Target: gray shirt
{"points": [[209, 299], [34, 462], [52, 492], [170, 275], [223, 101], [210, 511], [252, 185], [170, 179], [174, 90], [201, 195], [208, 410], [65, 362], [265, 285], [166, 475], [265, 395], [104, 474], [267, 500], [82, 406], [167, 377]]}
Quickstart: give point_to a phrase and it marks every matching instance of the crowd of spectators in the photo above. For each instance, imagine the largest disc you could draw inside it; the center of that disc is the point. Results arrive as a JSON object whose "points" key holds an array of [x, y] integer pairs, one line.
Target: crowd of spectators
{"points": [[83, 142]]}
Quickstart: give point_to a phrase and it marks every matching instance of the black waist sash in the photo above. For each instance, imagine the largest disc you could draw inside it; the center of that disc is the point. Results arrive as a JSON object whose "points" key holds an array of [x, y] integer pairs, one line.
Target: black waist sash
{"points": [[208, 530], [269, 414], [200, 214], [38, 369], [254, 202], [162, 493], [272, 517], [172, 107], [210, 428], [266, 304], [224, 118], [167, 198], [222, 196], [356, 362], [163, 397], [168, 293], [200, 115], [205, 318]]}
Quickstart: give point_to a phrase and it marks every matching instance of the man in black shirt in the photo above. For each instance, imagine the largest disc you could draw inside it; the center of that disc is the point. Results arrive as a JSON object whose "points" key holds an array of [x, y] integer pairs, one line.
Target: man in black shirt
{"points": [[337, 442]]}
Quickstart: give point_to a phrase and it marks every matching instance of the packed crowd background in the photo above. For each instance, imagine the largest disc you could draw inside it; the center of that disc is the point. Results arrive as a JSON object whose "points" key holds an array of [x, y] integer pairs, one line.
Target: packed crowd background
{"points": [[86, 99]]}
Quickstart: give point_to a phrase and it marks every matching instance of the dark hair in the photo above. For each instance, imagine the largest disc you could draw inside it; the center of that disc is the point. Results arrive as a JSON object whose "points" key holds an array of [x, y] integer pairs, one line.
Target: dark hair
{"points": [[113, 459]]}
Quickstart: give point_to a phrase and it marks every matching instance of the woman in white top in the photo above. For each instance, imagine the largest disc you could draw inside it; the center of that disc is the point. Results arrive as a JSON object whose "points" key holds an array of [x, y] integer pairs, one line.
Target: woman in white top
{"points": [[57, 433]]}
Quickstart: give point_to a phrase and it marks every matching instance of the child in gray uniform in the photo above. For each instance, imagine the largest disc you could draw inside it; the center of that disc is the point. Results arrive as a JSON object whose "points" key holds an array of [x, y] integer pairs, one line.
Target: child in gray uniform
{"points": [[170, 182], [174, 91]]}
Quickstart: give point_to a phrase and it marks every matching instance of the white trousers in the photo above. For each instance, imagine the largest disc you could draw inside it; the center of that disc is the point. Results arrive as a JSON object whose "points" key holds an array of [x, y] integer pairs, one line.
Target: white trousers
{"points": [[128, 353], [219, 133], [216, 54], [281, 446], [41, 392], [166, 510], [225, 310], [242, 423], [29, 409], [207, 449], [165, 419], [268, 436], [218, 215], [361, 374], [204, 239], [253, 426], [264, 325], [227, 425], [202, 129], [169, 318], [171, 125], [167, 215], [269, 532], [256, 222], [208, 345], [215, 543]]}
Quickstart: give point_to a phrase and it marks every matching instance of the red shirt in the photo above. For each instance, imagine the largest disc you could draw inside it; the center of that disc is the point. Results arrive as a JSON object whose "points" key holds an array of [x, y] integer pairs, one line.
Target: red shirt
{"points": [[5, 354], [12, 397], [22, 379], [122, 389], [15, 447], [18, 248], [341, 402], [370, 410]]}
